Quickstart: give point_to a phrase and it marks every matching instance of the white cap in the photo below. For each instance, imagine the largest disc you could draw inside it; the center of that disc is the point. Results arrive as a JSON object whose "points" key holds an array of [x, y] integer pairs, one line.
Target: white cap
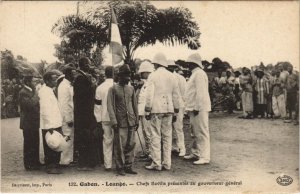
{"points": [[146, 66], [160, 59], [56, 141], [195, 58]]}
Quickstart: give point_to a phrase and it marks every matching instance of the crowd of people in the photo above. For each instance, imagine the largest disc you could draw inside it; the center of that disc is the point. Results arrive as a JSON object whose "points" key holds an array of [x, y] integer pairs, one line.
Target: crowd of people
{"points": [[260, 93], [87, 119], [9, 98], [87, 116]]}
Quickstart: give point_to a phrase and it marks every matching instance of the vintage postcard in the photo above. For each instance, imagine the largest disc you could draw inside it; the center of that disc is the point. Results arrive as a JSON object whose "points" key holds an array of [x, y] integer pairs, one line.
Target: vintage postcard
{"points": [[149, 96]]}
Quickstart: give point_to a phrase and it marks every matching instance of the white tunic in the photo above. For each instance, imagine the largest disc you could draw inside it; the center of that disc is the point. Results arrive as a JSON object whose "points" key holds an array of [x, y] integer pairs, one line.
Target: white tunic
{"points": [[65, 100], [197, 95], [100, 111], [50, 114], [162, 93]]}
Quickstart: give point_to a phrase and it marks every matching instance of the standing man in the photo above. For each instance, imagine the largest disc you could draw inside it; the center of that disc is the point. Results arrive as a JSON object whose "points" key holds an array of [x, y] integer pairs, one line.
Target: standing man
{"points": [[30, 122], [146, 68], [198, 106], [247, 93], [84, 119], [178, 135], [262, 90], [278, 99], [162, 100], [292, 86], [228, 89], [65, 101], [123, 115], [51, 119], [102, 116]]}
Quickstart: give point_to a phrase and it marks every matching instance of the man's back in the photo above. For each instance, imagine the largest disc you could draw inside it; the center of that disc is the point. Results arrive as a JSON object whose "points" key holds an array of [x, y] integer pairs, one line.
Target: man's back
{"points": [[83, 103], [163, 92]]}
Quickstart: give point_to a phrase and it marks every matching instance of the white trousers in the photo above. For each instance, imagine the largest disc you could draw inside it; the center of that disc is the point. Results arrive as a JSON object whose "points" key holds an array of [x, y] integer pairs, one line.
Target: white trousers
{"points": [[278, 105], [66, 156], [201, 139], [161, 128], [108, 142], [146, 128], [178, 135]]}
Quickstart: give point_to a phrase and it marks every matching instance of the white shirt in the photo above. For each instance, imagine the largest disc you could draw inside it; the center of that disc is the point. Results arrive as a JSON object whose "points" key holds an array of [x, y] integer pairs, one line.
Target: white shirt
{"points": [[65, 100], [142, 98], [197, 96], [49, 109], [100, 111]]}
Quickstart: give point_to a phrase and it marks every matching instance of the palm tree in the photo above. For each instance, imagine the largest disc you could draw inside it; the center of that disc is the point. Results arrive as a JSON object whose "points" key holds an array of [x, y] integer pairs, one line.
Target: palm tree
{"points": [[140, 23]]}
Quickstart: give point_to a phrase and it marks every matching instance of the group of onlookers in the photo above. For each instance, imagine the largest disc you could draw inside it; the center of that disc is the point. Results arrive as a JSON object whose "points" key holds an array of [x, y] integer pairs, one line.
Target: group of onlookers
{"points": [[86, 118], [9, 98], [260, 93]]}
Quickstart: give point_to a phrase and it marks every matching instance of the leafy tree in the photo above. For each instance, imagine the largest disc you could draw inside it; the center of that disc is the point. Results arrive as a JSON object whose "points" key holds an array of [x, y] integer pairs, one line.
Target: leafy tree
{"points": [[80, 37], [140, 23], [97, 56], [63, 52], [12, 67]]}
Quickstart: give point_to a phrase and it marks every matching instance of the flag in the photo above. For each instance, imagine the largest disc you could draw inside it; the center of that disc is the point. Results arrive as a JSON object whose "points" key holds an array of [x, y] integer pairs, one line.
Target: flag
{"points": [[116, 47]]}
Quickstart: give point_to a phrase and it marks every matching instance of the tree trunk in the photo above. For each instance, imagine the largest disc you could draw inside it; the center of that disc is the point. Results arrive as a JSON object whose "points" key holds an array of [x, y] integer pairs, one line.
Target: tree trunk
{"points": [[127, 54]]}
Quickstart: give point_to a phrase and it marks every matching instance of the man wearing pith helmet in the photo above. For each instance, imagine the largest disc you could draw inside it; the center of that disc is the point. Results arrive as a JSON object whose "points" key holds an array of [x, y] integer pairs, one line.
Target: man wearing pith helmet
{"points": [[178, 135], [162, 100], [145, 69], [198, 106]]}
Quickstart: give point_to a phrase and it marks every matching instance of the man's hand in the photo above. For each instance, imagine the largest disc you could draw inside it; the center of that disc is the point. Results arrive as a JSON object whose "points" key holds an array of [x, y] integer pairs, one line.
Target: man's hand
{"points": [[115, 127], [148, 117], [50, 131], [136, 127], [266, 95], [174, 118], [70, 124], [67, 138], [195, 112]]}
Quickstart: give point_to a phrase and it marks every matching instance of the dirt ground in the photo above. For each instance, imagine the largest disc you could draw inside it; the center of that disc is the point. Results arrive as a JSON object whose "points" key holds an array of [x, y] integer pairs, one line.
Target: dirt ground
{"points": [[246, 156]]}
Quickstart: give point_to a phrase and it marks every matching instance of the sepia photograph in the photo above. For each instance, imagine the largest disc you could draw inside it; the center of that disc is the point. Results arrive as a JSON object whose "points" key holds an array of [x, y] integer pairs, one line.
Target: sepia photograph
{"points": [[144, 96]]}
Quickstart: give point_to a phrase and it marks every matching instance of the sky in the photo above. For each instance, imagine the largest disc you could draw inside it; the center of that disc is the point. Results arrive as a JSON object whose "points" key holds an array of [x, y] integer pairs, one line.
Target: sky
{"points": [[243, 33]]}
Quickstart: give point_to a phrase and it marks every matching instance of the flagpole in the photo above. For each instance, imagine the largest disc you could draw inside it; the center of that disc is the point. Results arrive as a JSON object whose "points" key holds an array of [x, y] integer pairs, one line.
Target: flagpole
{"points": [[113, 73]]}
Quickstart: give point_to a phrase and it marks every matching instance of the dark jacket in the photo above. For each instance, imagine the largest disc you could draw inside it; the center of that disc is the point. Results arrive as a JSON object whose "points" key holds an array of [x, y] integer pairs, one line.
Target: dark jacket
{"points": [[84, 117], [122, 106], [29, 109]]}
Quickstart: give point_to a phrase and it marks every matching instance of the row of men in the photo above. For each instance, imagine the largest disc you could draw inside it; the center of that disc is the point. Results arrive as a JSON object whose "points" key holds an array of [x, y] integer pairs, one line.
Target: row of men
{"points": [[274, 95], [75, 108], [262, 94]]}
